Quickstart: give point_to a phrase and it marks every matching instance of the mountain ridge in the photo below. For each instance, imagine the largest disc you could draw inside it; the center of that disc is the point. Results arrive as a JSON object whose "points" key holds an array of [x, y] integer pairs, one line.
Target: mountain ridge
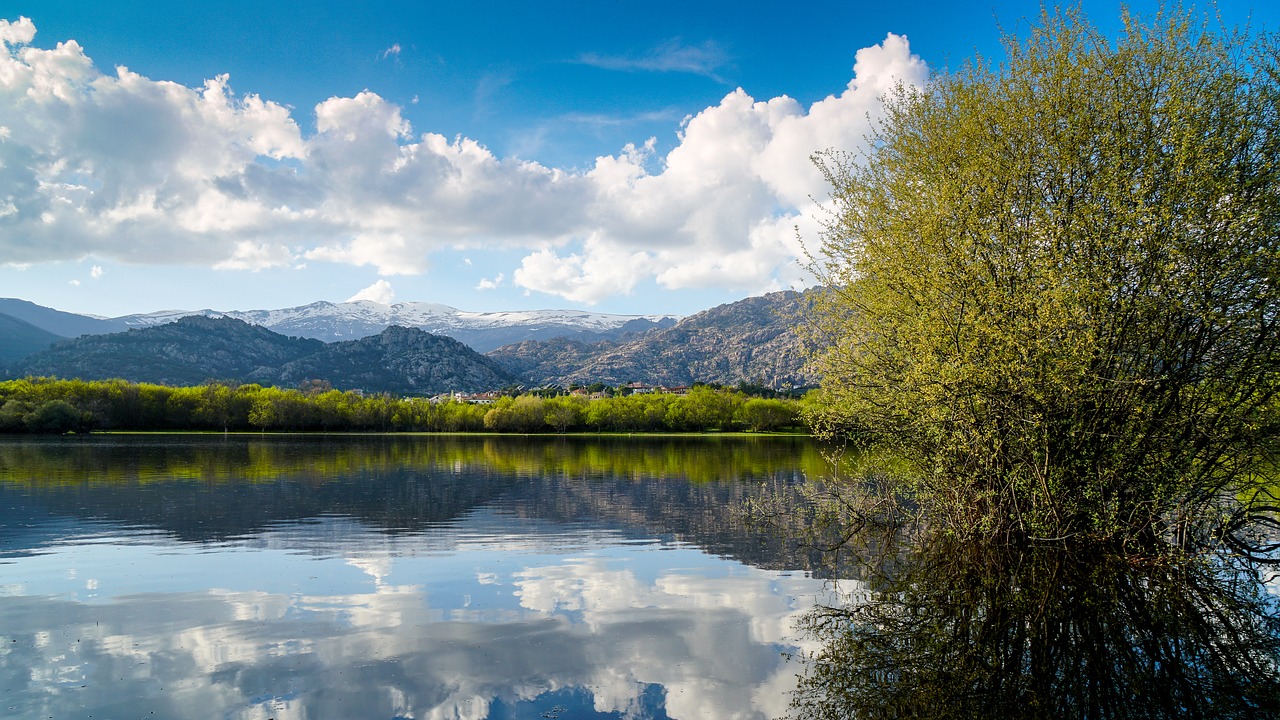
{"points": [[21, 338], [482, 331], [332, 322], [752, 340], [195, 349]]}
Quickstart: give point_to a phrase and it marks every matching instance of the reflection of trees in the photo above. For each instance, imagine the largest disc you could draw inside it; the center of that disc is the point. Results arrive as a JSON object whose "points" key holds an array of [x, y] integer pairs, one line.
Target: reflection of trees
{"points": [[212, 488], [1052, 631], [238, 458]]}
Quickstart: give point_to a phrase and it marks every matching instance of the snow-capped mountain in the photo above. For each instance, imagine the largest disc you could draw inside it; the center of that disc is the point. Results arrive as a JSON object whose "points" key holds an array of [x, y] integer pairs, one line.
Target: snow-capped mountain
{"points": [[483, 331]]}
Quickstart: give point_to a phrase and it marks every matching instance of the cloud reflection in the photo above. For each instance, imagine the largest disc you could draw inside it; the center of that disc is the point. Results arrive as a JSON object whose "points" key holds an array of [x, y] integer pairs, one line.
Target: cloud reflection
{"points": [[714, 643]]}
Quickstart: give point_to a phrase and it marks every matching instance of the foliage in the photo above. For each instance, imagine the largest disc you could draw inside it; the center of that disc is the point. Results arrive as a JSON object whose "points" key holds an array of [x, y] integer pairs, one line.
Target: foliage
{"points": [[1054, 285], [50, 405]]}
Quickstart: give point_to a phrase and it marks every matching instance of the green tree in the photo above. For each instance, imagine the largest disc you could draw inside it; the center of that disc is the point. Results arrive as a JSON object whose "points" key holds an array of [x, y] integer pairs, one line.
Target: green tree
{"points": [[12, 415], [763, 415], [1054, 284], [524, 414], [55, 416], [565, 412]]}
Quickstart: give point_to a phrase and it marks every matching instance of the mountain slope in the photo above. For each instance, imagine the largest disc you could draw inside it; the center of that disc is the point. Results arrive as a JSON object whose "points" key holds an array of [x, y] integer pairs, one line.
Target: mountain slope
{"points": [[19, 339], [62, 324], [186, 352], [750, 340], [397, 360], [197, 348]]}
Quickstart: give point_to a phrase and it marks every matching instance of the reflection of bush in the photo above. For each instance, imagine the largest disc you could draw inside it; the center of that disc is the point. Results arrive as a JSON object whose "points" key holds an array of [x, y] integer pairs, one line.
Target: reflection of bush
{"points": [[1057, 630]]}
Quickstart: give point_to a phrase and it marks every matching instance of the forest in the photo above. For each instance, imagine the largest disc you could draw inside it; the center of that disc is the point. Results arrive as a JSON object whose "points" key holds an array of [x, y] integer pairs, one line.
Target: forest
{"points": [[47, 405]]}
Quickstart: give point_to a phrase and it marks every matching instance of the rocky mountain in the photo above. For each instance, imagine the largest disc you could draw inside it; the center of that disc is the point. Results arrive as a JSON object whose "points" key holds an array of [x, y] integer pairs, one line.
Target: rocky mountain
{"points": [[397, 360], [186, 352], [196, 348], [751, 340], [482, 331], [19, 339]]}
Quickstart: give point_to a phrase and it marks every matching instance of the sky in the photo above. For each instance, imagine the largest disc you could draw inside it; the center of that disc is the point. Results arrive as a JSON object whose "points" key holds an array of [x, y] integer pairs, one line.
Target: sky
{"points": [[629, 157]]}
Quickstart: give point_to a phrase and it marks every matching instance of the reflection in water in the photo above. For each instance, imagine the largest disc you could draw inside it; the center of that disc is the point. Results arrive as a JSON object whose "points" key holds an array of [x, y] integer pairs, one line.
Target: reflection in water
{"points": [[381, 578], [237, 458], [209, 489], [1048, 631], [682, 644]]}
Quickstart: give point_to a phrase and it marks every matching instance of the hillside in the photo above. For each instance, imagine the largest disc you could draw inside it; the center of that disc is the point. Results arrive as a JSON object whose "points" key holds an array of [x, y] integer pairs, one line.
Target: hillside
{"points": [[751, 340], [397, 360], [19, 339], [62, 324], [186, 352], [197, 348]]}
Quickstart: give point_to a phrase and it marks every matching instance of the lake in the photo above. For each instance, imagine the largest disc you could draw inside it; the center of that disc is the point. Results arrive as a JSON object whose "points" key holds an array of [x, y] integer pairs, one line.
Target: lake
{"points": [[397, 577]]}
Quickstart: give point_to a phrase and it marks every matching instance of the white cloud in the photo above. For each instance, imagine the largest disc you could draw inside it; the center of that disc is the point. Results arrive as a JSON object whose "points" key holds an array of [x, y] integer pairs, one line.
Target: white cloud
{"points": [[121, 167], [74, 283], [487, 284], [379, 292], [17, 32], [725, 208], [95, 272], [601, 270], [393, 51], [248, 255]]}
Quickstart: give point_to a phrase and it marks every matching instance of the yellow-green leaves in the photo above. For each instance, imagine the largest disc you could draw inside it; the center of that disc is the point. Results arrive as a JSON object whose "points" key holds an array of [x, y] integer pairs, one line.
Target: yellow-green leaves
{"points": [[1057, 280]]}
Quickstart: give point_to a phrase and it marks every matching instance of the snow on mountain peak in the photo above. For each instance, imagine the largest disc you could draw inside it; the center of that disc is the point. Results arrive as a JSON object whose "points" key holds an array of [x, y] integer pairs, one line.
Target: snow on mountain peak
{"points": [[359, 318]]}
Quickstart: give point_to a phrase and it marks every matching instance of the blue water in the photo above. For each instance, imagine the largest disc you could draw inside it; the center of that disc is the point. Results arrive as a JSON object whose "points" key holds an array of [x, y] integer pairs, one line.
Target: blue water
{"points": [[396, 590]]}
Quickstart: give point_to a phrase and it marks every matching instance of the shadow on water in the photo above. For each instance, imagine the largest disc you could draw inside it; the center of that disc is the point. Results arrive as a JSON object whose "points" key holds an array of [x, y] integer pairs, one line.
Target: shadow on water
{"points": [[1053, 630]]}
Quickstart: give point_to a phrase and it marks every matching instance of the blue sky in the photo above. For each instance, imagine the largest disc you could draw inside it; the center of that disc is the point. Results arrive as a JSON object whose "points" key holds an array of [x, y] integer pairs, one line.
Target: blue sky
{"points": [[623, 156]]}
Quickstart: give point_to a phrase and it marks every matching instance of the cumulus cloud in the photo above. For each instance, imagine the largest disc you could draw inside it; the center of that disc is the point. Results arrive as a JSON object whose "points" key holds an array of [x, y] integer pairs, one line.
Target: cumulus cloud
{"points": [[379, 292], [600, 270], [487, 284], [248, 255], [122, 167], [95, 272]]}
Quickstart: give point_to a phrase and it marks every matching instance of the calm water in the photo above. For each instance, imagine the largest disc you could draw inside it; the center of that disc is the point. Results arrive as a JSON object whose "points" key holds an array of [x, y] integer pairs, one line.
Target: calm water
{"points": [[396, 578]]}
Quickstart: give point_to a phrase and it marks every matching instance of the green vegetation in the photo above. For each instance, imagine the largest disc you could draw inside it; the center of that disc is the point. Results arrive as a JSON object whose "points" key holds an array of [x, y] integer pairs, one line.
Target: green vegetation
{"points": [[1054, 284], [1052, 326], [60, 406]]}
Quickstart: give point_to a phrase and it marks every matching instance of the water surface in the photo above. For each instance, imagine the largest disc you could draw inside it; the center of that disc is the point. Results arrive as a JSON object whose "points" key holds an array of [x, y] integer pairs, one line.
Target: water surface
{"points": [[425, 577]]}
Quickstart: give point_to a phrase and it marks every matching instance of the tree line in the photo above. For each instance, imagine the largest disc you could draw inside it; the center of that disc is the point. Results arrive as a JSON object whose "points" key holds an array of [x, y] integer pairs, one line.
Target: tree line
{"points": [[48, 405]]}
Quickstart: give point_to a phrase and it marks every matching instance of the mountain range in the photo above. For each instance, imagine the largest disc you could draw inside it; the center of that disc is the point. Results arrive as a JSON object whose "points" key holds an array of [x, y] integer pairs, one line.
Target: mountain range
{"points": [[194, 349], [752, 340], [327, 321]]}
